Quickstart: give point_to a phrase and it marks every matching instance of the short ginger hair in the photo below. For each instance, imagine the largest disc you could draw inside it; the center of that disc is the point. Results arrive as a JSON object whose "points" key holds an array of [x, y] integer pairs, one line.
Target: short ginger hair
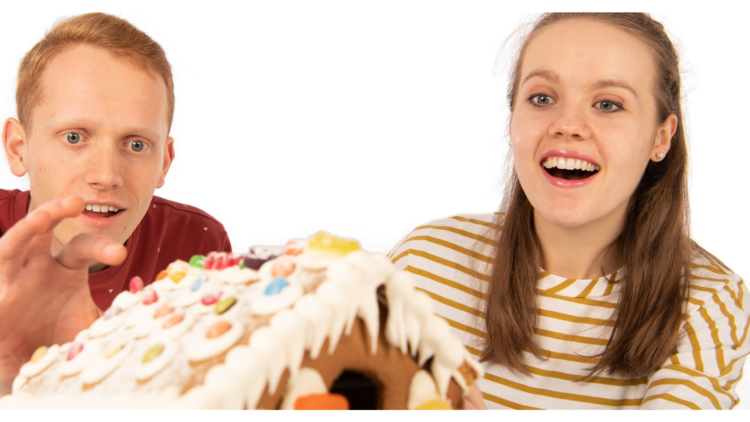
{"points": [[108, 32]]}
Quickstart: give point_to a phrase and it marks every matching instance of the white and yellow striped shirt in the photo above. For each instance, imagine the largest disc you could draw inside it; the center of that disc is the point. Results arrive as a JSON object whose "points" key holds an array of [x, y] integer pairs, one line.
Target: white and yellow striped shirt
{"points": [[573, 326]]}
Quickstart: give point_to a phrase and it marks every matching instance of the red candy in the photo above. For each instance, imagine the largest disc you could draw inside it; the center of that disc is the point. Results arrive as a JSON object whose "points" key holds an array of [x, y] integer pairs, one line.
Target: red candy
{"points": [[210, 298], [75, 349], [221, 260], [326, 401], [150, 296], [136, 284]]}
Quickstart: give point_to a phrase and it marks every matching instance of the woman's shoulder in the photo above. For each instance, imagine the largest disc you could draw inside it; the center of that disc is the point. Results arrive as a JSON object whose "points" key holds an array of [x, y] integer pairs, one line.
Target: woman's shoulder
{"points": [[713, 281]]}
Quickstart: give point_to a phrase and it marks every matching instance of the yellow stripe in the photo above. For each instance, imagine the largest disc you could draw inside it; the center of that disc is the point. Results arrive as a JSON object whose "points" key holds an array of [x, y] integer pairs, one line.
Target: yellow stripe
{"points": [[452, 246], [445, 281], [453, 304], [730, 384], [714, 331], [576, 319], [577, 300], [589, 288], [594, 380], [562, 286], [560, 395], [726, 282], [465, 328], [473, 351], [695, 345], [610, 287], [695, 374], [447, 263], [691, 385], [741, 293], [463, 233], [674, 359], [571, 337], [543, 274], [669, 397], [475, 221], [724, 311], [570, 357], [506, 403], [707, 267]]}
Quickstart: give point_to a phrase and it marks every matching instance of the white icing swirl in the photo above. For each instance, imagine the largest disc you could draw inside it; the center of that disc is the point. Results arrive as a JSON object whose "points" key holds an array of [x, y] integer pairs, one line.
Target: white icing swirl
{"points": [[176, 331], [235, 275], [104, 326], [29, 369], [125, 300], [75, 365], [266, 305], [152, 367], [202, 348], [101, 366]]}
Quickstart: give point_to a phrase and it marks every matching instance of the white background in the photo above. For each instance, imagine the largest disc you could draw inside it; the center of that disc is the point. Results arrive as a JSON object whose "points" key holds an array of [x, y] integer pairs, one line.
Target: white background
{"points": [[369, 118]]}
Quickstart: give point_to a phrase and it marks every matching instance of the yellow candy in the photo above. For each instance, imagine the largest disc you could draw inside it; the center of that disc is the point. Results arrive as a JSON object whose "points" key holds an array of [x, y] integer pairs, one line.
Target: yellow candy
{"points": [[176, 277], [153, 353], [38, 354], [328, 243], [435, 404]]}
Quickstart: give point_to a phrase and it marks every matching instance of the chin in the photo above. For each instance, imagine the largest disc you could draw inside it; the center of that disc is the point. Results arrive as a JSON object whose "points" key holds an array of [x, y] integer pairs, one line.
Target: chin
{"points": [[564, 218]]}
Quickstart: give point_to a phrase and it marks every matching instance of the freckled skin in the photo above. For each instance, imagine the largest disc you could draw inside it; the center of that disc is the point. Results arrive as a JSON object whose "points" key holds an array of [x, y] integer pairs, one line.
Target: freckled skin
{"points": [[582, 52]]}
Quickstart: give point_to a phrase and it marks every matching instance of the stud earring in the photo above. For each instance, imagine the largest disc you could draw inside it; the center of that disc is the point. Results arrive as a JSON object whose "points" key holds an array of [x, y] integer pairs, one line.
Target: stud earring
{"points": [[660, 155]]}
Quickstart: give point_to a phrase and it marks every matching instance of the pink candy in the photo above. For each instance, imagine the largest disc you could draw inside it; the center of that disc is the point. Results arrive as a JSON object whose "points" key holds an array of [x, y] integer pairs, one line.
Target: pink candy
{"points": [[150, 296], [221, 260], [75, 349], [136, 284], [210, 298]]}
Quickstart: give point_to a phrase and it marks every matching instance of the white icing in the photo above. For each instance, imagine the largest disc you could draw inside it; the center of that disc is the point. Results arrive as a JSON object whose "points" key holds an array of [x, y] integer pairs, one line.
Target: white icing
{"points": [[142, 313], [18, 382], [75, 365], [308, 382], [102, 326], [399, 290], [248, 366], [149, 324], [174, 332], [29, 369], [421, 390], [126, 299], [448, 352], [202, 348], [474, 363], [269, 347], [235, 275], [417, 315], [311, 260], [221, 383], [461, 382], [319, 317], [266, 305], [147, 370], [190, 298], [288, 326], [82, 336], [99, 367], [336, 297]]}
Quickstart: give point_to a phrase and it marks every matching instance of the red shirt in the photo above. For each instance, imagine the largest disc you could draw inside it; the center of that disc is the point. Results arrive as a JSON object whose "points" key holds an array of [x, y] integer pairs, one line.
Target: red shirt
{"points": [[169, 231]]}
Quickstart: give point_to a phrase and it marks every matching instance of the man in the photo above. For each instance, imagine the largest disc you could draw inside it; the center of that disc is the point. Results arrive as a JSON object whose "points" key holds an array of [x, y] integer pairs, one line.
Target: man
{"points": [[95, 100]]}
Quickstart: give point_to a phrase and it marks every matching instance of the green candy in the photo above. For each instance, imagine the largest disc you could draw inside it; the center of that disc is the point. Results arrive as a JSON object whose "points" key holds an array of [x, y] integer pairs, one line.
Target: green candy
{"points": [[197, 261], [224, 305], [153, 353]]}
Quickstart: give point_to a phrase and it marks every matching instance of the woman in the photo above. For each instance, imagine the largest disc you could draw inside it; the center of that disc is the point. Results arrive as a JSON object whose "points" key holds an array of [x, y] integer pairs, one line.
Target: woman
{"points": [[575, 294]]}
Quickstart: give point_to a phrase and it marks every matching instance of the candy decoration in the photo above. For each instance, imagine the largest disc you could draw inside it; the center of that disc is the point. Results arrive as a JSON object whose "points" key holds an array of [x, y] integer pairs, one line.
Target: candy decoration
{"points": [[150, 296], [153, 353], [218, 329], [162, 274], [198, 283], [112, 350], [330, 244], [259, 255], [221, 260], [164, 310], [282, 268], [326, 401], [136, 284], [435, 404], [295, 247], [210, 298], [176, 277], [197, 261], [38, 354], [75, 350], [174, 320], [276, 286], [224, 305], [112, 312]]}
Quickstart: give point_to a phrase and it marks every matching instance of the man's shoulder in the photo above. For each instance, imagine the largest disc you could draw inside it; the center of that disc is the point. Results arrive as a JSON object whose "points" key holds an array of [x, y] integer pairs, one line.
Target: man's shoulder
{"points": [[164, 208], [8, 195]]}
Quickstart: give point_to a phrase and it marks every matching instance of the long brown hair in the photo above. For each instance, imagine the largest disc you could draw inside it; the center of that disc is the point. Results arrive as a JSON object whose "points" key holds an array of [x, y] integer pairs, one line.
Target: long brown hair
{"points": [[654, 243]]}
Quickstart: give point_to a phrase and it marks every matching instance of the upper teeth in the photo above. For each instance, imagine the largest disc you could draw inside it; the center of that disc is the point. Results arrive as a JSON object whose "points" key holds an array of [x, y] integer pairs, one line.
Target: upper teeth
{"points": [[101, 208], [569, 164]]}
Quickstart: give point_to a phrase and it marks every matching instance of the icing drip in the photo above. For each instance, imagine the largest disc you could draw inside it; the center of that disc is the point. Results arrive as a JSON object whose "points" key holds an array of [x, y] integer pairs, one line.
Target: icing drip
{"points": [[399, 289], [421, 390], [30, 369], [448, 352], [309, 381], [287, 326], [319, 317], [336, 297], [270, 348], [247, 364], [221, 383]]}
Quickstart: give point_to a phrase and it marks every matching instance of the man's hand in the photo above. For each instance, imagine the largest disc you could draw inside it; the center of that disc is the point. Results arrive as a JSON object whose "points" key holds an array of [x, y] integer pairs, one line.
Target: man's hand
{"points": [[474, 400], [45, 300]]}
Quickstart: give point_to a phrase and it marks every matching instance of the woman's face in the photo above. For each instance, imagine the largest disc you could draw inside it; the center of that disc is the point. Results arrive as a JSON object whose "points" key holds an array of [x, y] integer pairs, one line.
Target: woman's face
{"points": [[585, 124]]}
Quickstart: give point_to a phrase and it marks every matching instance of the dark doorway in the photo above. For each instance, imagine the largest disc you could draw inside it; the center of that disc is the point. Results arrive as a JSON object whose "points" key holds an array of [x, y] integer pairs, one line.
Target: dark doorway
{"points": [[361, 392]]}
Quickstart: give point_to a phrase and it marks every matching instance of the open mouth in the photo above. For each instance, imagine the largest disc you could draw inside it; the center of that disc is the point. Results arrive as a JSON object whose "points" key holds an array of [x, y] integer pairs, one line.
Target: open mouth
{"points": [[569, 168], [96, 210]]}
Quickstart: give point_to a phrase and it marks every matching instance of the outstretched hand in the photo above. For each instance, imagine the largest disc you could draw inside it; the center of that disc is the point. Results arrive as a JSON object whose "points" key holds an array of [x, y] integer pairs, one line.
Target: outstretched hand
{"points": [[474, 400], [45, 299]]}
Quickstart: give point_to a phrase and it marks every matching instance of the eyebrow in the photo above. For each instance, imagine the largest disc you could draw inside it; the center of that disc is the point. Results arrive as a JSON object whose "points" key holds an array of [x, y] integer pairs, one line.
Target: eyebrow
{"points": [[554, 77]]}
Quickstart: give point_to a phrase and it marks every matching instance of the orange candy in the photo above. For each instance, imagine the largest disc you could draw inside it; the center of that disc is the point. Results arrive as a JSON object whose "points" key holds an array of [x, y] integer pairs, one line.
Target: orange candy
{"points": [[218, 329], [176, 277], [327, 401], [162, 274], [171, 322], [282, 268], [165, 310], [295, 247]]}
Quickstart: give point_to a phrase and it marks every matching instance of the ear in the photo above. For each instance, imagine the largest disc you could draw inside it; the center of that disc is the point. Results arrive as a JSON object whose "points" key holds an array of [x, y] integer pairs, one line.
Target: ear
{"points": [[663, 138], [14, 142], [168, 158]]}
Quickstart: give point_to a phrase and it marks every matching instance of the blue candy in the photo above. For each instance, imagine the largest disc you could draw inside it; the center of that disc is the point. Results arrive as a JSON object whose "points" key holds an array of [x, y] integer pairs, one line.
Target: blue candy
{"points": [[198, 283], [276, 286]]}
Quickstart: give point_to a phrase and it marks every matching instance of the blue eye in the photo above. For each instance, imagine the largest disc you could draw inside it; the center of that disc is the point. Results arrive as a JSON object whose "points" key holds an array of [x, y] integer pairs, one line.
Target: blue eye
{"points": [[540, 100], [608, 106], [73, 138], [137, 146]]}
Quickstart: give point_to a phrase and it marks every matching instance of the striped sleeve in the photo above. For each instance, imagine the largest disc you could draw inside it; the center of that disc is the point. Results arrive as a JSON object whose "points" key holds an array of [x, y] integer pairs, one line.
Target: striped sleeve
{"points": [[707, 363]]}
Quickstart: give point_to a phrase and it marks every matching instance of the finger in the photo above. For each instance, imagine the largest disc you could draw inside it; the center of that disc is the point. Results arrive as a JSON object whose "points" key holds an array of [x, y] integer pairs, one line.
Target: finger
{"points": [[86, 249], [15, 242], [62, 208]]}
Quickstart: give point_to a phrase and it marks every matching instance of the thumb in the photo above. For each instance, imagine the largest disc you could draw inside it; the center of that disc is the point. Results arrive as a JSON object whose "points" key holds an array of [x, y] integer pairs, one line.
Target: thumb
{"points": [[86, 249]]}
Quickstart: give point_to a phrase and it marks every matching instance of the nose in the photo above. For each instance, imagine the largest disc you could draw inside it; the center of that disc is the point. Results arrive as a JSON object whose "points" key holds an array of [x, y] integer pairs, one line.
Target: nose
{"points": [[570, 123], [104, 167]]}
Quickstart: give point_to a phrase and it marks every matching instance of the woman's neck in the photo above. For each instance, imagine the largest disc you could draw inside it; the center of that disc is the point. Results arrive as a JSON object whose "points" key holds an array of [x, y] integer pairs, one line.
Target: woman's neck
{"points": [[583, 252]]}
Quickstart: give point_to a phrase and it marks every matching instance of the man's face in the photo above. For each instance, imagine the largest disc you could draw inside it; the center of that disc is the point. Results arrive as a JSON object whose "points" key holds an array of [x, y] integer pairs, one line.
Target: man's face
{"points": [[100, 132]]}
